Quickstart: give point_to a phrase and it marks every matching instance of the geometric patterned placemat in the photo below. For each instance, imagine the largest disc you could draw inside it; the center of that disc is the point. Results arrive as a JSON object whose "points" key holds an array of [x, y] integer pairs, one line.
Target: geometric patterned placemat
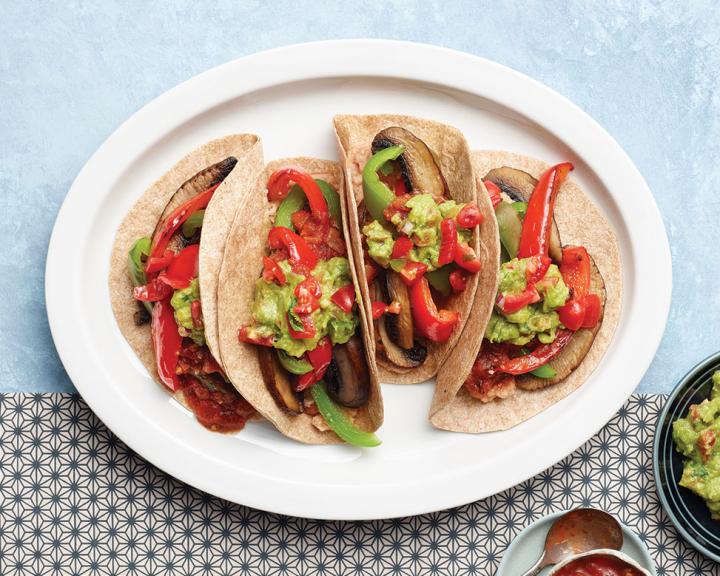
{"points": [[76, 500]]}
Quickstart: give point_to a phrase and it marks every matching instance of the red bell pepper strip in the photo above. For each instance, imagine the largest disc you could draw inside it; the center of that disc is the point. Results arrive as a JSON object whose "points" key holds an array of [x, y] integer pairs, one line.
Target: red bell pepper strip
{"points": [[279, 186], [166, 343], [302, 258], [538, 357], [246, 335], [176, 219], [593, 311], [272, 272], [584, 309], [412, 271], [493, 192], [182, 269], [154, 291], [466, 258], [300, 326], [196, 314], [469, 216], [380, 308], [458, 280], [536, 267], [344, 298], [401, 248], [308, 294], [433, 324], [511, 303], [535, 235], [319, 358], [448, 241], [159, 263], [575, 269]]}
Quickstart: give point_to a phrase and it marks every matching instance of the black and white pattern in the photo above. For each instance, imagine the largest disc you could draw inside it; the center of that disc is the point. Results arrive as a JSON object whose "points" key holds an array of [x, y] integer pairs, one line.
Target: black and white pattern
{"points": [[76, 500]]}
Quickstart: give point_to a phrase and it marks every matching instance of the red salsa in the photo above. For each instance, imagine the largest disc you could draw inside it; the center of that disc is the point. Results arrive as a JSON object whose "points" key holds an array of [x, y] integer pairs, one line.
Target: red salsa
{"points": [[598, 565]]}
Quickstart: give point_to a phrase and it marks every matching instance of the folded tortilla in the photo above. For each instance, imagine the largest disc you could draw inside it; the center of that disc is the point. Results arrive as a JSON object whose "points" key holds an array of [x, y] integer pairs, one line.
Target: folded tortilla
{"points": [[240, 270], [145, 216], [580, 222], [355, 135]]}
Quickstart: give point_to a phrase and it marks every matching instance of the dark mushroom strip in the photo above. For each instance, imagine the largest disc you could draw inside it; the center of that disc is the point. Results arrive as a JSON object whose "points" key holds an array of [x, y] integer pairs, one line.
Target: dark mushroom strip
{"points": [[347, 379], [399, 326], [518, 186], [202, 181], [278, 382], [394, 330], [418, 164], [575, 350]]}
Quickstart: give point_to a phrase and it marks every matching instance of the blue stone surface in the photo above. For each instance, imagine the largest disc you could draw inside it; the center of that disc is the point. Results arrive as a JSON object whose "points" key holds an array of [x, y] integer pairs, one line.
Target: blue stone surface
{"points": [[71, 72]]}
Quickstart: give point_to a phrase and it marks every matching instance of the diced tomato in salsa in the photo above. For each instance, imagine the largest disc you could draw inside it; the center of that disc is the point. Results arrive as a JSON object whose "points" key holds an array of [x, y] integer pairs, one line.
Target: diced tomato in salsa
{"points": [[215, 403]]}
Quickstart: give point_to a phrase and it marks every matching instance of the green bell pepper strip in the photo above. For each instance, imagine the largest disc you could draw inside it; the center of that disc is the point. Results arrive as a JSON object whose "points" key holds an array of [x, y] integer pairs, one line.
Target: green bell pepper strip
{"points": [[292, 364], [140, 249], [440, 279], [295, 200], [338, 421], [331, 199], [520, 208], [545, 371], [377, 195], [194, 222], [509, 227]]}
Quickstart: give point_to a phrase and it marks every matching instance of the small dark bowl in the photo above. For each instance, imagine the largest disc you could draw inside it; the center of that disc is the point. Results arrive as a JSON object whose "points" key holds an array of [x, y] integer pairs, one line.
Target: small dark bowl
{"points": [[687, 511]]}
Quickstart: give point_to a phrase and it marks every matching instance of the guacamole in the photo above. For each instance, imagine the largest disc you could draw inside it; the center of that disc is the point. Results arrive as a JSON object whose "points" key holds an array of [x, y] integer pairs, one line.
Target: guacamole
{"points": [[696, 439], [421, 223], [273, 302], [537, 320], [181, 302]]}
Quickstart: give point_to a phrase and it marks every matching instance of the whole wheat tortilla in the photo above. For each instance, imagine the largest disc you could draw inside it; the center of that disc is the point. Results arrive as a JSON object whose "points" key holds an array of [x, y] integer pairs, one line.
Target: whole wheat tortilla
{"points": [[240, 269], [355, 135], [580, 222], [143, 218]]}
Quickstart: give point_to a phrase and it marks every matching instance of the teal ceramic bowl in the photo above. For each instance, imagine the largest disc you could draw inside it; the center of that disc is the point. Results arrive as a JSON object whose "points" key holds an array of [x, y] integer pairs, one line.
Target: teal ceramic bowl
{"points": [[528, 546]]}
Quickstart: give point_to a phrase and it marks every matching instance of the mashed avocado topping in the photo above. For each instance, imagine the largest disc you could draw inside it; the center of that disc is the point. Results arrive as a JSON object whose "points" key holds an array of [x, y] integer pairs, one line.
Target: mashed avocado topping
{"points": [[696, 439], [273, 302], [421, 224], [536, 320], [181, 302]]}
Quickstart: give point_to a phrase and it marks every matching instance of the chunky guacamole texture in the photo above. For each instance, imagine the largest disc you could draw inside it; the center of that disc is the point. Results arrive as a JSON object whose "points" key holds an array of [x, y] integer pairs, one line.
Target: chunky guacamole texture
{"points": [[421, 224], [181, 302], [273, 302], [539, 320], [696, 439]]}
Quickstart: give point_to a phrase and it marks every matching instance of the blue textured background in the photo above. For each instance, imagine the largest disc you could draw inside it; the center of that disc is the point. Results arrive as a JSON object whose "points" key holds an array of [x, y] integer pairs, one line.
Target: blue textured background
{"points": [[71, 72]]}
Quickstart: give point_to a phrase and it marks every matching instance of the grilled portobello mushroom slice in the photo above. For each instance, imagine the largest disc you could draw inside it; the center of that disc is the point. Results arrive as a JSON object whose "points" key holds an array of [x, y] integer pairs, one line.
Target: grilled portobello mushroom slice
{"points": [[418, 165], [202, 181], [278, 383], [347, 379]]}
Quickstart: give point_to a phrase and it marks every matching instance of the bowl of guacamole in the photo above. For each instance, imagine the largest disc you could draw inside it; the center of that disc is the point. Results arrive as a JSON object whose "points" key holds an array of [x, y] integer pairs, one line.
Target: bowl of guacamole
{"points": [[686, 457]]}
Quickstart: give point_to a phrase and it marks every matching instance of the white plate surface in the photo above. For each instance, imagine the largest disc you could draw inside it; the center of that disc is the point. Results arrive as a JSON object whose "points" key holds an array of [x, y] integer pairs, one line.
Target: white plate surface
{"points": [[289, 96]]}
